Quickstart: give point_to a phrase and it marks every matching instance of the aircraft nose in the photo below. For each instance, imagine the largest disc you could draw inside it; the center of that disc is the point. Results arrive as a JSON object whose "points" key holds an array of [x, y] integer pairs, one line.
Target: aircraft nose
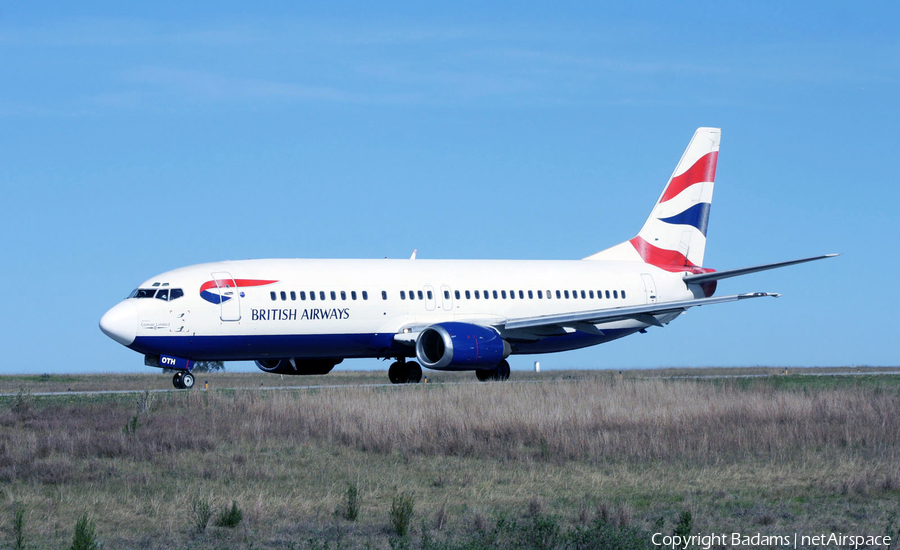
{"points": [[120, 323]]}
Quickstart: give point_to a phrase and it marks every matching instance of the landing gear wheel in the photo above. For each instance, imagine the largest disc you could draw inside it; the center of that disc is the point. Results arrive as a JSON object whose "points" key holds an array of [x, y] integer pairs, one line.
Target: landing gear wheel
{"points": [[498, 373], [187, 381], [176, 380], [398, 373], [502, 372], [415, 373]]}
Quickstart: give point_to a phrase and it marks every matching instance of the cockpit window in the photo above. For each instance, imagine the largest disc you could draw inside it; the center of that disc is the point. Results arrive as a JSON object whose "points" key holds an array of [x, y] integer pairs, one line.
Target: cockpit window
{"points": [[161, 294]]}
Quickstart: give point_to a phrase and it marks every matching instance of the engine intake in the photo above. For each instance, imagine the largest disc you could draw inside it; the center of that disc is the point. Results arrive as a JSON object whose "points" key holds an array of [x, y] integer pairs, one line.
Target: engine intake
{"points": [[297, 366], [460, 346]]}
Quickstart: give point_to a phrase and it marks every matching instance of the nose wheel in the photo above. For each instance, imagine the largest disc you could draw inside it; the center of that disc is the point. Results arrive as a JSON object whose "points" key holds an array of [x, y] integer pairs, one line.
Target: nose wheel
{"points": [[183, 380]]}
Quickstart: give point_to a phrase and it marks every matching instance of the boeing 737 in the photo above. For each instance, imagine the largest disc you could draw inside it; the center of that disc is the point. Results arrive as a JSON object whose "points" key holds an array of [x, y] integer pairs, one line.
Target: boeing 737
{"points": [[297, 316]]}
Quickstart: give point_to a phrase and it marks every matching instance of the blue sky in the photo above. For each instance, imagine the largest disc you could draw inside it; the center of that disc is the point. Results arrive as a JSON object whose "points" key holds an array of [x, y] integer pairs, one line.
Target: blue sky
{"points": [[136, 140]]}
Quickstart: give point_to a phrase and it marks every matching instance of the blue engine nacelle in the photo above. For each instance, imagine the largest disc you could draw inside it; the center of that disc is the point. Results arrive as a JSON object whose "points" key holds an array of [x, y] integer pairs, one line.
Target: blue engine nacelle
{"points": [[460, 346], [297, 366]]}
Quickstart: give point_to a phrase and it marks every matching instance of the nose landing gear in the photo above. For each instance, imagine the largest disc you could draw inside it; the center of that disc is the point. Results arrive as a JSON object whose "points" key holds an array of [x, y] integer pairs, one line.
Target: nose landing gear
{"points": [[183, 380]]}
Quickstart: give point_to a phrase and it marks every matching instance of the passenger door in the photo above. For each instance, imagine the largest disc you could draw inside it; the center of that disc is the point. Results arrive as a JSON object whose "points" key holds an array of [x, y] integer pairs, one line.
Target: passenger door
{"points": [[649, 287], [229, 296]]}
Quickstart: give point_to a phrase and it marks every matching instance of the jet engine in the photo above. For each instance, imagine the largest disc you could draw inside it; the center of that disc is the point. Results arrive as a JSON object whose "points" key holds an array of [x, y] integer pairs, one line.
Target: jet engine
{"points": [[297, 366], [460, 346]]}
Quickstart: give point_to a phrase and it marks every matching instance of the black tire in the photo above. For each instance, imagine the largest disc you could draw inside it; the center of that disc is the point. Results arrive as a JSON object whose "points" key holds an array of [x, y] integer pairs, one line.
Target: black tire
{"points": [[414, 375], [187, 381], [398, 373], [176, 380], [502, 372], [484, 375]]}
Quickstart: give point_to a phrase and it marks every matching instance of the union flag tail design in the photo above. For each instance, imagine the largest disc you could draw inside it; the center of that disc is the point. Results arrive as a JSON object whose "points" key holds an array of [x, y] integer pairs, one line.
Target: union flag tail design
{"points": [[674, 236]]}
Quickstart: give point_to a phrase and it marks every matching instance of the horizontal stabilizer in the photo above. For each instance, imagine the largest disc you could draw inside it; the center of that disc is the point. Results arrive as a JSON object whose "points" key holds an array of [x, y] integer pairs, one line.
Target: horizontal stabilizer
{"points": [[698, 278]]}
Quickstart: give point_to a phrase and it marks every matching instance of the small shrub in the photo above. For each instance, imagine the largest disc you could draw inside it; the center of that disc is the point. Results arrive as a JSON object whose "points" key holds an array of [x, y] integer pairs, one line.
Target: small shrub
{"points": [[685, 524], [19, 542], [440, 518], [201, 512], [85, 537], [351, 506], [401, 513], [230, 517], [22, 402], [131, 426], [535, 508], [145, 401]]}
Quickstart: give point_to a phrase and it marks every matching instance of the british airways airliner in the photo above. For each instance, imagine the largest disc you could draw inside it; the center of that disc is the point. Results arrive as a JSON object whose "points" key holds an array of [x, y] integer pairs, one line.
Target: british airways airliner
{"points": [[306, 316]]}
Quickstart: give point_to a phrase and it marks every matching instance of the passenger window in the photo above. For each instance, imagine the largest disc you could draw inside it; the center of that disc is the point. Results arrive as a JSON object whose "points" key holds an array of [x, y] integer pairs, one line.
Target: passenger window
{"points": [[607, 295], [175, 293], [343, 295], [503, 294], [163, 294], [365, 295], [558, 295], [566, 293], [412, 295], [487, 295], [583, 295], [402, 294], [430, 295], [333, 296], [312, 295], [352, 294], [293, 296], [591, 294], [455, 294], [530, 295], [540, 295], [477, 297], [272, 295], [616, 294], [623, 294], [522, 294], [384, 294], [495, 295], [469, 295], [283, 295], [303, 295], [420, 295], [321, 294]]}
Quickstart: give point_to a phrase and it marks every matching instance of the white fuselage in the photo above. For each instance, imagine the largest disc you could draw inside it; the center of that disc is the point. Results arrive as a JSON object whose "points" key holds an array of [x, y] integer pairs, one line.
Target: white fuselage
{"points": [[284, 308]]}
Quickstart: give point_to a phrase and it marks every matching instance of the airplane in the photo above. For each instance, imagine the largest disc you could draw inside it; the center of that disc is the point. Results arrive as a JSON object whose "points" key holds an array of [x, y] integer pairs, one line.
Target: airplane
{"points": [[304, 316]]}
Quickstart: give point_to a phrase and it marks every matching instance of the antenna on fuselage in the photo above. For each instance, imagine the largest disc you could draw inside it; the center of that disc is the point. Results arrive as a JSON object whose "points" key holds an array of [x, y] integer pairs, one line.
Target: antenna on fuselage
{"points": [[413, 256]]}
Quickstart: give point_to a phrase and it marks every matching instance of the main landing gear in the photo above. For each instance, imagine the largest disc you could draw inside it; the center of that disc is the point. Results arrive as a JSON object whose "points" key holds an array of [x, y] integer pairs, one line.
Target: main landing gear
{"points": [[183, 380], [402, 372], [499, 373]]}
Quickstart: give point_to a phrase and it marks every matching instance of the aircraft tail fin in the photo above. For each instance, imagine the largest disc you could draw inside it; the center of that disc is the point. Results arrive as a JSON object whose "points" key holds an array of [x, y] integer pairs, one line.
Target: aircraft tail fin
{"points": [[674, 236]]}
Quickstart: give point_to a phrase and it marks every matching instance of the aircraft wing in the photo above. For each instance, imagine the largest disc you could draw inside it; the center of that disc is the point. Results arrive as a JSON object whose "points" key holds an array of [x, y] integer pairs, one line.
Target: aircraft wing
{"points": [[644, 313]]}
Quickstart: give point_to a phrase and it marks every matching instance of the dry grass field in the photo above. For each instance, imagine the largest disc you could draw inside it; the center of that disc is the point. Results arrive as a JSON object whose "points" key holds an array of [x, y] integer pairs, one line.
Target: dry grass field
{"points": [[578, 460]]}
